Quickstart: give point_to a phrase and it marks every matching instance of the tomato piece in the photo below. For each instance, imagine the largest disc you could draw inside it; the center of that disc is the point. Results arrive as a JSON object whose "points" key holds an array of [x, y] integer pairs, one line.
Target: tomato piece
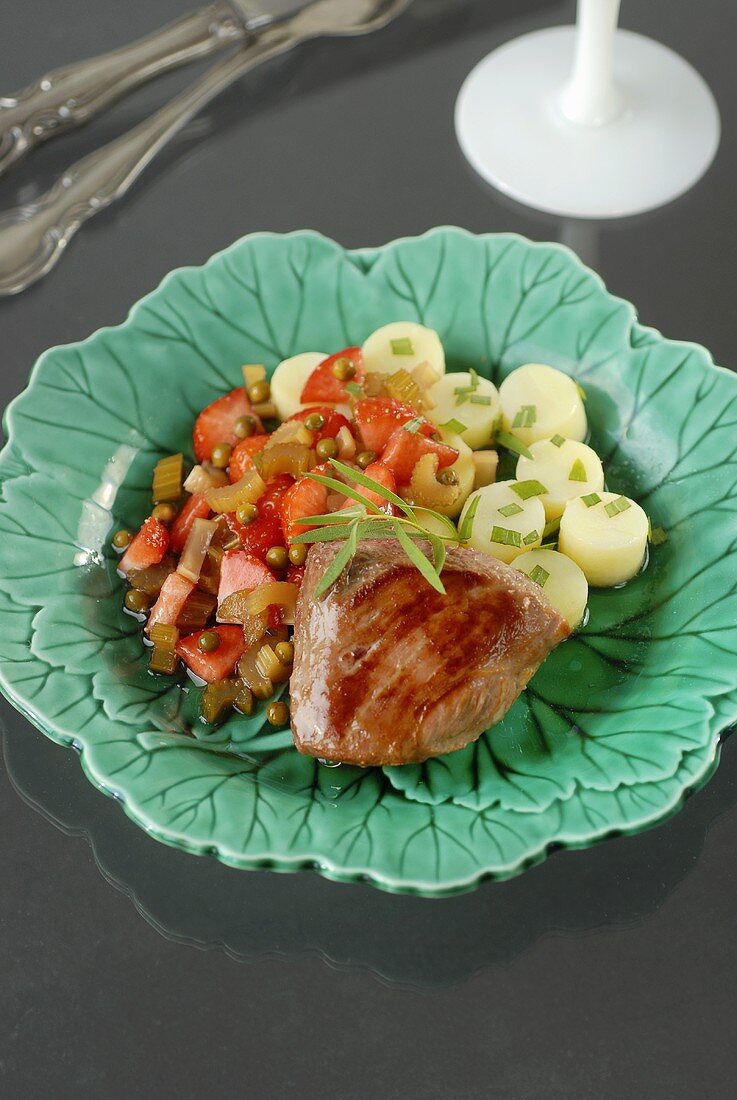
{"points": [[147, 548], [241, 572], [221, 662], [194, 508], [296, 574], [174, 593], [323, 386], [334, 421], [378, 471], [241, 460], [378, 417], [305, 498], [405, 449], [266, 530], [215, 423]]}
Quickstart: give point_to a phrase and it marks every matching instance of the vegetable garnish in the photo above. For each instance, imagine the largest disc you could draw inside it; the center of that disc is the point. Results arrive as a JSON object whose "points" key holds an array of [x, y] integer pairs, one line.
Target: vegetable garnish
{"points": [[454, 426], [506, 536], [527, 489], [510, 510], [656, 535], [353, 389], [413, 426], [402, 346], [550, 534], [504, 439], [621, 504], [578, 471], [557, 440], [479, 399], [367, 521], [464, 531], [468, 393], [539, 575], [525, 417], [530, 537], [591, 499]]}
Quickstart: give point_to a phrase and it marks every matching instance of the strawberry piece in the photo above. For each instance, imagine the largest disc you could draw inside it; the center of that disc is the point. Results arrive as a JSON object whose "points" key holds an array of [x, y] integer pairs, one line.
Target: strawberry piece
{"points": [[195, 508], [296, 574], [378, 471], [378, 417], [215, 423], [405, 449], [265, 531], [241, 572], [305, 498], [221, 662], [323, 386], [334, 421], [147, 548], [241, 460], [174, 593]]}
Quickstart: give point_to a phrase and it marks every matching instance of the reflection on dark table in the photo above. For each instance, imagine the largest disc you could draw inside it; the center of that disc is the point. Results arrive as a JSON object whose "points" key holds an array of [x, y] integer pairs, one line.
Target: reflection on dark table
{"points": [[636, 997]]}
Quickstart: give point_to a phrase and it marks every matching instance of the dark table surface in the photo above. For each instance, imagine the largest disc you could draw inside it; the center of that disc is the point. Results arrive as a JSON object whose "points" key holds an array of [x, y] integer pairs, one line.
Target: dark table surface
{"points": [[605, 973]]}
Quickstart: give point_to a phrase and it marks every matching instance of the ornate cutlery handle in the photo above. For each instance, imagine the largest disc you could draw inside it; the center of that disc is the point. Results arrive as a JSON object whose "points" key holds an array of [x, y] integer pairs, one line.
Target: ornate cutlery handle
{"points": [[71, 95], [33, 237]]}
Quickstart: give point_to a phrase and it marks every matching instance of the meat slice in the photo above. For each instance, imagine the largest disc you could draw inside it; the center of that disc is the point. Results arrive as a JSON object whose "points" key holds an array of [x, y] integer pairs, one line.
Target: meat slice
{"points": [[389, 671]]}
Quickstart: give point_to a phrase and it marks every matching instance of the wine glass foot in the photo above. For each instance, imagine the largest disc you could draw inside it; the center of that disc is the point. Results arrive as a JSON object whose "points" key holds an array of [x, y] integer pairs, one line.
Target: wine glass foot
{"points": [[511, 127]]}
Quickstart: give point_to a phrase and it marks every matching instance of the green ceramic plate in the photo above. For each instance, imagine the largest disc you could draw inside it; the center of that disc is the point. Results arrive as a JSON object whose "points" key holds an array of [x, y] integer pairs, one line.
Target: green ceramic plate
{"points": [[617, 726]]}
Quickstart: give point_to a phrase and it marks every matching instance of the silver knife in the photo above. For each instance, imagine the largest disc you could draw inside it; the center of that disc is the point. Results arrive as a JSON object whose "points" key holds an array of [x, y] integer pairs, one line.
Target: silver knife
{"points": [[69, 96]]}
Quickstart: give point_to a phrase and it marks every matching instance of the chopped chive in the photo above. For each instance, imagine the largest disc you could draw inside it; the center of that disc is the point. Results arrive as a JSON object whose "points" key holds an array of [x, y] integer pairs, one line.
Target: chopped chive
{"points": [[454, 426], [462, 398], [621, 504], [413, 426], [557, 440], [551, 528], [530, 537], [474, 378], [526, 417], [505, 536], [539, 575], [591, 499], [657, 536], [402, 346], [464, 532], [505, 439], [510, 510], [527, 489], [578, 471], [353, 388], [479, 399]]}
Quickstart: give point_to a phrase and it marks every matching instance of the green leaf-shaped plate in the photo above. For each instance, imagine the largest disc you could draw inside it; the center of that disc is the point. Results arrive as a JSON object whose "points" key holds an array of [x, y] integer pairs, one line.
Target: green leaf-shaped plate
{"points": [[617, 725]]}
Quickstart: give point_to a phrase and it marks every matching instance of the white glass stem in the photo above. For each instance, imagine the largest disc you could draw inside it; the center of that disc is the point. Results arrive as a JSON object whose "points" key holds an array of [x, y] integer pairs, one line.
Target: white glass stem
{"points": [[591, 97]]}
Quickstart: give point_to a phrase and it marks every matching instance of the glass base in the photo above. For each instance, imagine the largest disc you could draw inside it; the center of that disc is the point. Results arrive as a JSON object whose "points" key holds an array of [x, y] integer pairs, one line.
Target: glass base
{"points": [[511, 128]]}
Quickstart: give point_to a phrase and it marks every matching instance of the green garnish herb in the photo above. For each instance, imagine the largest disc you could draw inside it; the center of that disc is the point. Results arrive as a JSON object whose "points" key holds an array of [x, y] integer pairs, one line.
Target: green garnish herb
{"points": [[464, 531], [621, 504], [505, 536], [578, 471], [454, 426], [474, 378], [656, 535], [557, 440], [465, 393], [531, 537], [511, 442], [539, 575], [479, 399], [413, 426], [591, 499], [526, 417], [527, 489], [510, 510], [551, 528], [367, 521], [402, 346], [353, 388]]}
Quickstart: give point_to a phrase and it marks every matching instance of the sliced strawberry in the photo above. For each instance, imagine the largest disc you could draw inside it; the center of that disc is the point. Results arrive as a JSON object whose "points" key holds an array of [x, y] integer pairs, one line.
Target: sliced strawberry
{"points": [[221, 662], [334, 421], [241, 460], [378, 417], [305, 498], [405, 449], [174, 593], [296, 574], [215, 423], [147, 548], [195, 508], [265, 531], [322, 385], [378, 471], [241, 572]]}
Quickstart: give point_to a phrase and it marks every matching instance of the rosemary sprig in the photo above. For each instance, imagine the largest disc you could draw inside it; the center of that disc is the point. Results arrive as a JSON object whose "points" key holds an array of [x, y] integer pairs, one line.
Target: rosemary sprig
{"points": [[366, 521]]}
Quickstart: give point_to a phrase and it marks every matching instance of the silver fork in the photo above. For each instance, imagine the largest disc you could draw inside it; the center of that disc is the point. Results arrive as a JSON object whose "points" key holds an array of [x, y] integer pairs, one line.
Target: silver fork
{"points": [[34, 236]]}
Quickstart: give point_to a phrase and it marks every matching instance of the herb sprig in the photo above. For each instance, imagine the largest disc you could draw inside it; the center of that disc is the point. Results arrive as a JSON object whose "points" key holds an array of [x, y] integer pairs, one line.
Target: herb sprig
{"points": [[367, 521]]}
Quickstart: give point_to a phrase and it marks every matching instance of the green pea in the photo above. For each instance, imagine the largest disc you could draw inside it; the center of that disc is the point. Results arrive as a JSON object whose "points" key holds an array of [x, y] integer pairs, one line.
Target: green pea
{"points": [[246, 514], [121, 539], [137, 602], [315, 422], [244, 426], [326, 448], [285, 652], [298, 554], [259, 392], [165, 513], [220, 456], [208, 641], [277, 558], [277, 713], [365, 458], [343, 369]]}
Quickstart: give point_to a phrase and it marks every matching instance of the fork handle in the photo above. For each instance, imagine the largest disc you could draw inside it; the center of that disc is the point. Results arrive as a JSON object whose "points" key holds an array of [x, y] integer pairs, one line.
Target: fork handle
{"points": [[71, 95]]}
